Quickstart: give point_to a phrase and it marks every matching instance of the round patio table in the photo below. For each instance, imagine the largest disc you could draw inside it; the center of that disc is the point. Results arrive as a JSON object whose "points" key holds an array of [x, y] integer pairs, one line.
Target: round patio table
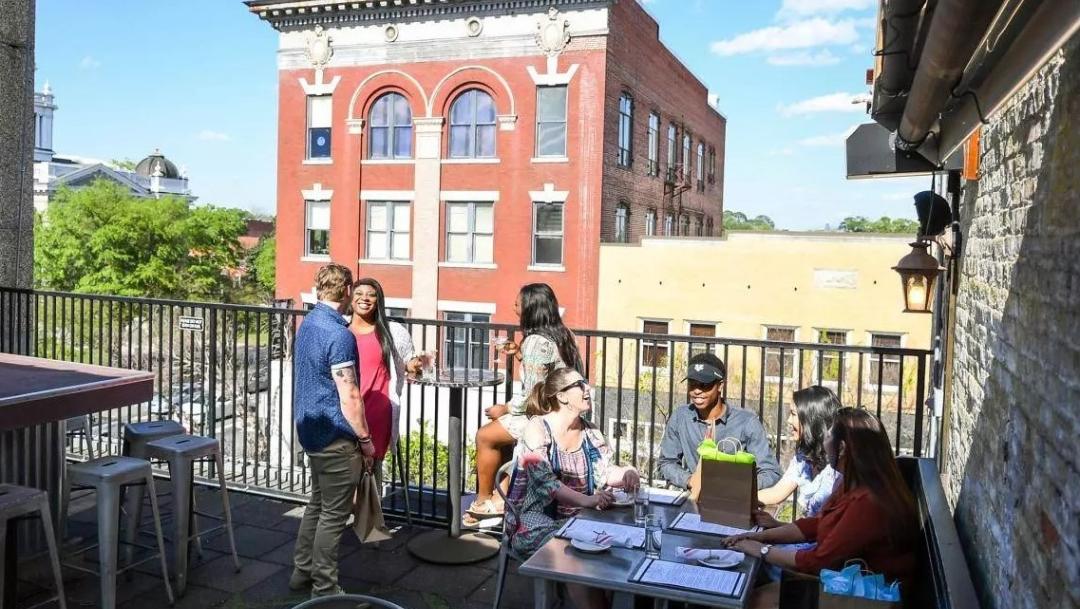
{"points": [[453, 547]]}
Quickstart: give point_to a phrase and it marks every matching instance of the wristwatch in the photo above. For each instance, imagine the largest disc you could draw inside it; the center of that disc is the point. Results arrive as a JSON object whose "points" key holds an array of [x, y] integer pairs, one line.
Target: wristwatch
{"points": [[765, 550]]}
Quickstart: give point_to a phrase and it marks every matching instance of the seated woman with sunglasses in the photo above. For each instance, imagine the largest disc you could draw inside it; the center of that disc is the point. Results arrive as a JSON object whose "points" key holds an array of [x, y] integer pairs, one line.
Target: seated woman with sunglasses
{"points": [[564, 465], [690, 424]]}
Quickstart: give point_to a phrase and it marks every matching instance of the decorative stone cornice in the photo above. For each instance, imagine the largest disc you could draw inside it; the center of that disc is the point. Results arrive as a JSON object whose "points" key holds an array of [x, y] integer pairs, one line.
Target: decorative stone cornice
{"points": [[304, 14]]}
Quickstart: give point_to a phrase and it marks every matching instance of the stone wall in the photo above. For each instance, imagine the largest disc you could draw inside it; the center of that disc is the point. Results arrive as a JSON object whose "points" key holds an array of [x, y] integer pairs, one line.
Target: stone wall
{"points": [[1010, 462], [16, 142]]}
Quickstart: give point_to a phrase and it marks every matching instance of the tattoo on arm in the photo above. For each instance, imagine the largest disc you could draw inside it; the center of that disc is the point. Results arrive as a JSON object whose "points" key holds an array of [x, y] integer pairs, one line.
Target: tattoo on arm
{"points": [[346, 375]]}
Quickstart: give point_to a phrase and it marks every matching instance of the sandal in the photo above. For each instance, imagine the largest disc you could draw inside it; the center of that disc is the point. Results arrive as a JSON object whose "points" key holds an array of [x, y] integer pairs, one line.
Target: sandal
{"points": [[484, 509]]}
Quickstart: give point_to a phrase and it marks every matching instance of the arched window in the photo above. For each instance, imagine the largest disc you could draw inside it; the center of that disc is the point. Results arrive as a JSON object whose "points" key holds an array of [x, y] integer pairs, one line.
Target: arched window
{"points": [[391, 128], [472, 125]]}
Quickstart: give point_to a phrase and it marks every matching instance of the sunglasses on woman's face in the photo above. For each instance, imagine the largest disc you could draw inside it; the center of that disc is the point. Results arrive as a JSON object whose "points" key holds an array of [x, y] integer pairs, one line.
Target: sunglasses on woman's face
{"points": [[582, 384]]}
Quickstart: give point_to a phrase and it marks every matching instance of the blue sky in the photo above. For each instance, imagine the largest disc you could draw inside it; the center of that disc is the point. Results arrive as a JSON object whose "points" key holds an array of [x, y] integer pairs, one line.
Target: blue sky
{"points": [[198, 80]]}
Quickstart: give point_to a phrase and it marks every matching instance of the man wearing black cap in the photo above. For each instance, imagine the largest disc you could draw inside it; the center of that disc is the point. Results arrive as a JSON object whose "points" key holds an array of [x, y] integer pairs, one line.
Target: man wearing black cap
{"points": [[689, 425]]}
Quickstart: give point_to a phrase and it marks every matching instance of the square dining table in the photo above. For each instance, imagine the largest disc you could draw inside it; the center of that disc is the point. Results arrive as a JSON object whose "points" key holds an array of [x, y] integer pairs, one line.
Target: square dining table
{"points": [[557, 562]]}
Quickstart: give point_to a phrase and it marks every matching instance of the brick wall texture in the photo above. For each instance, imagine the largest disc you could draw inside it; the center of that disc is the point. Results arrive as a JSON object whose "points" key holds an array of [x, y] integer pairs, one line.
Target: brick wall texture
{"points": [[1014, 427]]}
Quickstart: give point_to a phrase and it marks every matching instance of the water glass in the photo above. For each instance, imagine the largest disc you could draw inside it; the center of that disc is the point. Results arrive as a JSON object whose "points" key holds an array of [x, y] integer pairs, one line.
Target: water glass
{"points": [[427, 360], [653, 534], [641, 505]]}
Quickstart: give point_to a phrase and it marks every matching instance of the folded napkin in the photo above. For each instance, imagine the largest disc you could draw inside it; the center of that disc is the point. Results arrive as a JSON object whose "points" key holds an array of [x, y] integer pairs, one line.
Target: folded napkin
{"points": [[602, 537], [705, 554]]}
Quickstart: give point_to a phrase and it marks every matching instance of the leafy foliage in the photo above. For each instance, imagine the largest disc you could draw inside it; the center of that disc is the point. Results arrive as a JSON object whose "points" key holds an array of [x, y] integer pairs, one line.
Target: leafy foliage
{"points": [[263, 263], [884, 224], [102, 239], [736, 220]]}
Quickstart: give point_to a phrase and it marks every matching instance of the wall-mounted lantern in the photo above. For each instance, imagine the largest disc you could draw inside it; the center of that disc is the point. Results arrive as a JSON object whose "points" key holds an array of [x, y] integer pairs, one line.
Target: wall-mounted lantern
{"points": [[918, 273]]}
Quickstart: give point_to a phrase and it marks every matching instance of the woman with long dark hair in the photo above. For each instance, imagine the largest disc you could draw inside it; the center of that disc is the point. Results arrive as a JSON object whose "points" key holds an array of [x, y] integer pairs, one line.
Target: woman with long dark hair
{"points": [[547, 345], [871, 515], [386, 356], [809, 471]]}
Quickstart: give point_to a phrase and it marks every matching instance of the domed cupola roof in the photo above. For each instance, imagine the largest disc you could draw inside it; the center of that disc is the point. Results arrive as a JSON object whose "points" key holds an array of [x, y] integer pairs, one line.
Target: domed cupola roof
{"points": [[156, 165]]}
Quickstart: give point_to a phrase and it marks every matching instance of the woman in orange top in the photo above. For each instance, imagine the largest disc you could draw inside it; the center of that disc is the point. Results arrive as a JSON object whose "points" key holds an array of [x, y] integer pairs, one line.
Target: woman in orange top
{"points": [[871, 516]]}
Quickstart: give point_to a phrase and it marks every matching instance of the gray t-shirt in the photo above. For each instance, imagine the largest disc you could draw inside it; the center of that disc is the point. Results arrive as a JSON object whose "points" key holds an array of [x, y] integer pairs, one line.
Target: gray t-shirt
{"points": [[685, 430]]}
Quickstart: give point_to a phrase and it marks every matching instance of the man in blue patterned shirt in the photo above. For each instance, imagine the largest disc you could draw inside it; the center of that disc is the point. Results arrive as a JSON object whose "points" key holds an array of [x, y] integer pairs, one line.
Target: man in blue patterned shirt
{"points": [[329, 415]]}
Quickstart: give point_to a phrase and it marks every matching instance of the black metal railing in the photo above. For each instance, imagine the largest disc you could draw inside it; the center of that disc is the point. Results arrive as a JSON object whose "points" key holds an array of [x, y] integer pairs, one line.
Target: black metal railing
{"points": [[226, 371]]}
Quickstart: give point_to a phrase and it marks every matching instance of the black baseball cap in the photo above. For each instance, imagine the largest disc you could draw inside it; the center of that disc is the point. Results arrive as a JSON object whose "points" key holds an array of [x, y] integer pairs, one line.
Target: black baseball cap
{"points": [[706, 369]]}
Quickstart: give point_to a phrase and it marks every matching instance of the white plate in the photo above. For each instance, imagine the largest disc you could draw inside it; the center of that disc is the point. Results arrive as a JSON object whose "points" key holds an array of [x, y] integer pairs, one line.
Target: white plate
{"points": [[622, 498], [589, 547], [725, 560]]}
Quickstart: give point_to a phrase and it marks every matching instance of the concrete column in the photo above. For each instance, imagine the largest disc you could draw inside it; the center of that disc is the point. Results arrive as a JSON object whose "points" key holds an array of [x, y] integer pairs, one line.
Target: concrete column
{"points": [[16, 143], [426, 207]]}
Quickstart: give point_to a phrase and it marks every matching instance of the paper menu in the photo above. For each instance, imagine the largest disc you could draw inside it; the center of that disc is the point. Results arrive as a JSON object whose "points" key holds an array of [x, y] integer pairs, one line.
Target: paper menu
{"points": [[690, 577], [667, 496], [694, 524], [582, 529]]}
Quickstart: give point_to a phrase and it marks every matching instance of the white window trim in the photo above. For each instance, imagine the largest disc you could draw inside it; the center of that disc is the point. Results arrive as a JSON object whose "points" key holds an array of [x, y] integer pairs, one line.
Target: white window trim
{"points": [[471, 161], [795, 352], [469, 196], [463, 306], [388, 195], [550, 159], [385, 261], [318, 161], [398, 303], [870, 383], [549, 194], [546, 268], [552, 78], [468, 265], [314, 258], [562, 229], [389, 232], [641, 352], [319, 88], [316, 193], [446, 232], [388, 162], [702, 322]]}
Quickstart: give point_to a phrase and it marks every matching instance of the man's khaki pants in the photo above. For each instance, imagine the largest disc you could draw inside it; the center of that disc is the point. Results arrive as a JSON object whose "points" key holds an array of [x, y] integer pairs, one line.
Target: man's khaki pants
{"points": [[335, 472]]}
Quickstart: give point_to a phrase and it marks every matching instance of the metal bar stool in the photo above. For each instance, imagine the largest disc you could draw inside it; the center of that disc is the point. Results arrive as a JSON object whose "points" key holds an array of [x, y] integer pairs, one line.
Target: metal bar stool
{"points": [[81, 426], [107, 476], [19, 502], [181, 453], [136, 437]]}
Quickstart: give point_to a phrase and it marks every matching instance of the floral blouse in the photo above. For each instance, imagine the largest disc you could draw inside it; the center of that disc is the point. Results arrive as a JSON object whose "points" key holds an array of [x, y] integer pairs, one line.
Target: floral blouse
{"points": [[539, 356], [534, 516]]}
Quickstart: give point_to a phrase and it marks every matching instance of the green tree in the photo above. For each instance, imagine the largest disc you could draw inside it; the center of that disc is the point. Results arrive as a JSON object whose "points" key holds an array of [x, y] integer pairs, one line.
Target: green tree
{"points": [[736, 220], [125, 164], [884, 224], [263, 263], [102, 239]]}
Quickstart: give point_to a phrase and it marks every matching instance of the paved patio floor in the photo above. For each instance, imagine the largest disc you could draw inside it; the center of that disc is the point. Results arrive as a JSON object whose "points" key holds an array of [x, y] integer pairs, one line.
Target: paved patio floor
{"points": [[265, 534]]}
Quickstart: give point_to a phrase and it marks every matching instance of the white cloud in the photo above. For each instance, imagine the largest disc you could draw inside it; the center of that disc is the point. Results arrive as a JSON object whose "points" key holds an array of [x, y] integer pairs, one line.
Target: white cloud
{"points": [[829, 140], [208, 135], [799, 35], [804, 58], [89, 63], [802, 8], [833, 102]]}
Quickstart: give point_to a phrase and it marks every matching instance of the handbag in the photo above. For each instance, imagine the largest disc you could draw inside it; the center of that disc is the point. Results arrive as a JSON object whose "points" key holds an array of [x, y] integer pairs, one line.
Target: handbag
{"points": [[724, 485], [368, 523], [856, 587]]}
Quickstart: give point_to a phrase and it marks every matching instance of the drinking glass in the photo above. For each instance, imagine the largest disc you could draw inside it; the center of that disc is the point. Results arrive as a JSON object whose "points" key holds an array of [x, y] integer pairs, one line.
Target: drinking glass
{"points": [[653, 534], [641, 505], [427, 362]]}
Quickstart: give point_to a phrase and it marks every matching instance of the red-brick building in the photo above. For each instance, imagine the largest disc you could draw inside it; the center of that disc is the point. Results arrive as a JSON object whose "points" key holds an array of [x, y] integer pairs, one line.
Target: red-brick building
{"points": [[457, 149]]}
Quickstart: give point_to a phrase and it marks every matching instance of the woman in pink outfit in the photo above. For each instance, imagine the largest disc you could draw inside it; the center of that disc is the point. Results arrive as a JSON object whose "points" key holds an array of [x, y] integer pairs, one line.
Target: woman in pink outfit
{"points": [[386, 356]]}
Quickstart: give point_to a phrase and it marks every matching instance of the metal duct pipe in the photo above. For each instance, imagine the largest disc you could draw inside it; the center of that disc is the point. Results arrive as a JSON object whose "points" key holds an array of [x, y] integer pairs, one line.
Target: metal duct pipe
{"points": [[900, 23], [956, 29], [1000, 69]]}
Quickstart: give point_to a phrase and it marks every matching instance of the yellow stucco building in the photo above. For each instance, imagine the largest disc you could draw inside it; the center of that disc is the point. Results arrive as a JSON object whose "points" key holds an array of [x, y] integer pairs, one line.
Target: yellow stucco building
{"points": [[818, 288]]}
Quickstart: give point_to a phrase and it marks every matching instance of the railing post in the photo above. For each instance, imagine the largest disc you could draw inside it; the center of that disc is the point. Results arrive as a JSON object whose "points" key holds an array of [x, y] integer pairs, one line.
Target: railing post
{"points": [[212, 394], [920, 388]]}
